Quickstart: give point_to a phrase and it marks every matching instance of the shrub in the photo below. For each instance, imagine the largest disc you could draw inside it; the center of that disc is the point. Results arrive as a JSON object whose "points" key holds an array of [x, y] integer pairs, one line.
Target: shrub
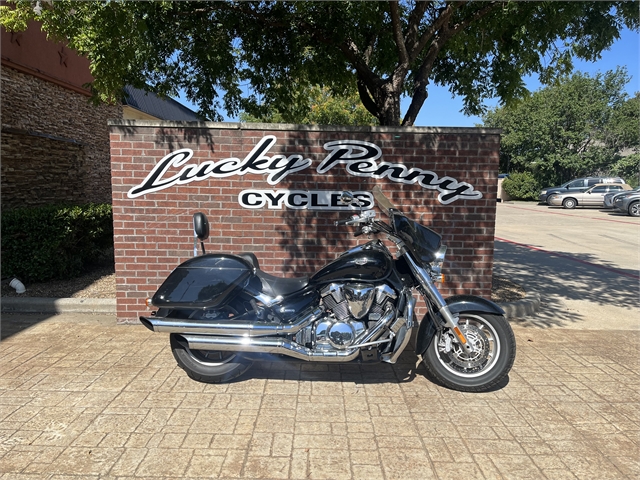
{"points": [[628, 168], [55, 242], [521, 186]]}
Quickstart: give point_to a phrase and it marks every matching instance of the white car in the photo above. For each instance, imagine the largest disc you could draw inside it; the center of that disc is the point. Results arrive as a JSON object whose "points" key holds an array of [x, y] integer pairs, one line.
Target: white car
{"points": [[593, 197]]}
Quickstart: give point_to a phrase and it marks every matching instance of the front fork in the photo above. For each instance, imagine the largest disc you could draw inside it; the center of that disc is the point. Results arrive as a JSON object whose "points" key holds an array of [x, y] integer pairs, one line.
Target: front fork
{"points": [[450, 320]]}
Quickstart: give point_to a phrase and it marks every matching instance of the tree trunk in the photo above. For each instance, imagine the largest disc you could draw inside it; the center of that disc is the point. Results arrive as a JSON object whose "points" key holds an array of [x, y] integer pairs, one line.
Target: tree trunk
{"points": [[382, 101]]}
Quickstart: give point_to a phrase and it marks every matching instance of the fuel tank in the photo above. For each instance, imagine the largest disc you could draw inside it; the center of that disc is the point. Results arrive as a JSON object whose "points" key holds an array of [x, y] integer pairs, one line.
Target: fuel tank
{"points": [[207, 281], [369, 262]]}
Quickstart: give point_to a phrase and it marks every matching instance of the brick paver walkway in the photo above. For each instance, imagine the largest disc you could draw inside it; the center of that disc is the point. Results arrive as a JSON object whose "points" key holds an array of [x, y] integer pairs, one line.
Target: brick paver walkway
{"points": [[100, 401]]}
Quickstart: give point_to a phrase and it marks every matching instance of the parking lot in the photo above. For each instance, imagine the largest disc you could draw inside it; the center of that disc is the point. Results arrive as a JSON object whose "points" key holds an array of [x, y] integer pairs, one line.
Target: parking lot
{"points": [[83, 398], [584, 263]]}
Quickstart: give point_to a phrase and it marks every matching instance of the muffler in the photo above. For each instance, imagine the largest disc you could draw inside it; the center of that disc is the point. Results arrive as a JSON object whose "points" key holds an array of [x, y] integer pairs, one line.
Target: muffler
{"points": [[242, 328], [280, 346]]}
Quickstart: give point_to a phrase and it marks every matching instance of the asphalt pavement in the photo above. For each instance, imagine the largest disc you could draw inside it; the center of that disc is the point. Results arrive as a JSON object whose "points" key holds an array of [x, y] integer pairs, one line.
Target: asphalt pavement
{"points": [[83, 398]]}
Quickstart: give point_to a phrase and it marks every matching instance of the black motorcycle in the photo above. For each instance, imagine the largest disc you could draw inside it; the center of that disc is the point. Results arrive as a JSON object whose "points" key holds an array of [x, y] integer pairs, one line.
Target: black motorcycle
{"points": [[223, 312]]}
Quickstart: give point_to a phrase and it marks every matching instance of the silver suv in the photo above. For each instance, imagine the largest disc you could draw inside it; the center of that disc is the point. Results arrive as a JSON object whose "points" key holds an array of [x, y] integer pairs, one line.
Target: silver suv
{"points": [[577, 185]]}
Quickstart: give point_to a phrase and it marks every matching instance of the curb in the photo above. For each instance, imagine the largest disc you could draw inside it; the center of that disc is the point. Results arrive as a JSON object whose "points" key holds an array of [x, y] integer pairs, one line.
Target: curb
{"points": [[58, 305], [521, 308]]}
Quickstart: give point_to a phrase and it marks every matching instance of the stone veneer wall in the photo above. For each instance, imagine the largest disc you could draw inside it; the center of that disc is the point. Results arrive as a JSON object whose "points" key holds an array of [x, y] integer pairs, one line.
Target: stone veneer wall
{"points": [[154, 233], [54, 143]]}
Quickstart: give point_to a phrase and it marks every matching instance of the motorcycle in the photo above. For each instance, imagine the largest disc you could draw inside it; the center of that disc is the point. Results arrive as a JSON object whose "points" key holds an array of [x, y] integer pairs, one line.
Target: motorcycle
{"points": [[223, 312]]}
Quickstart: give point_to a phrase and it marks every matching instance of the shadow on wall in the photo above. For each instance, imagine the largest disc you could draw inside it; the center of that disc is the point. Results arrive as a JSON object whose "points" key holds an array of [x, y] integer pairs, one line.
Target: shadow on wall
{"points": [[304, 233], [587, 278]]}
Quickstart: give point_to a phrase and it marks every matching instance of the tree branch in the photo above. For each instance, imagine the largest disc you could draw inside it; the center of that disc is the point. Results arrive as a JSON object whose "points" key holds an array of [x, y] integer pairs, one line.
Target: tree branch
{"points": [[476, 16], [414, 21], [366, 99], [443, 18], [445, 33], [397, 33]]}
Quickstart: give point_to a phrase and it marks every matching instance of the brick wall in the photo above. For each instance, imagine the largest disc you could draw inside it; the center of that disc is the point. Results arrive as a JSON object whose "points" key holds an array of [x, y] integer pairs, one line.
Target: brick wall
{"points": [[154, 233], [55, 143]]}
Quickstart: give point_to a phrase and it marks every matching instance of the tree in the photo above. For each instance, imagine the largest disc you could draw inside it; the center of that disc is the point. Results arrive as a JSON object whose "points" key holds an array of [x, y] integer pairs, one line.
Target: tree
{"points": [[578, 127], [323, 109], [478, 49]]}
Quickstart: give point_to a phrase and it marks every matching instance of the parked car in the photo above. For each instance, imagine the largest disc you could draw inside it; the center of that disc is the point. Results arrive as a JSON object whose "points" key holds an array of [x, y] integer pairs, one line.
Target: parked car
{"points": [[593, 197], [609, 198], [577, 185], [629, 204]]}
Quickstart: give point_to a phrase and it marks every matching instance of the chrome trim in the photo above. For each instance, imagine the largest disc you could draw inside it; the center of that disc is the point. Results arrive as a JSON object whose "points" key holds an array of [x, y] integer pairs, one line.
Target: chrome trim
{"points": [[384, 291], [359, 298], [269, 345], [267, 301], [451, 321], [244, 328], [378, 328], [402, 328]]}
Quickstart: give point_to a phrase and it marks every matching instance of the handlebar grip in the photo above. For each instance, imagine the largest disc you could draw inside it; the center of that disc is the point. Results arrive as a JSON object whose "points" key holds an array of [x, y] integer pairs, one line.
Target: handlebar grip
{"points": [[343, 222]]}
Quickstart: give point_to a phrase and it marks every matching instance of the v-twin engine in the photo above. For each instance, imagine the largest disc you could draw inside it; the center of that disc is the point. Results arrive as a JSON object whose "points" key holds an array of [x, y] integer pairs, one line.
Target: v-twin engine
{"points": [[354, 310]]}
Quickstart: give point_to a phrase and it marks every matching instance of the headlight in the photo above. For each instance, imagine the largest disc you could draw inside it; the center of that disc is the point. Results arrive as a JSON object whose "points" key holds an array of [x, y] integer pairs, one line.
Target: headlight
{"points": [[542, 192]]}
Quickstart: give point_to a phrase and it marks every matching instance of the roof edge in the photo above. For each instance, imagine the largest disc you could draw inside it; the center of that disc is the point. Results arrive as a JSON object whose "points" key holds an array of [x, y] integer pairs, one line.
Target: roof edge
{"points": [[300, 127]]}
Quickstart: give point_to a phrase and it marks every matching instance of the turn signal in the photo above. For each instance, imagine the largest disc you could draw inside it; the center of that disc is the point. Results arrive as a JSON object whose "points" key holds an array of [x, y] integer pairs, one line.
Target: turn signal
{"points": [[460, 336], [148, 303]]}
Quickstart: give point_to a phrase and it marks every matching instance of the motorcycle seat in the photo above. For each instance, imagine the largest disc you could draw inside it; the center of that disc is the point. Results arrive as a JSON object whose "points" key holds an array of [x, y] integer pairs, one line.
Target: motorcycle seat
{"points": [[274, 286]]}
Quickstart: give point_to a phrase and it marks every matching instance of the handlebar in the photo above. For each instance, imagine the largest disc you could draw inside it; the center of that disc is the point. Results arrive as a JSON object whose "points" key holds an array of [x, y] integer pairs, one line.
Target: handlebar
{"points": [[347, 221], [364, 217]]}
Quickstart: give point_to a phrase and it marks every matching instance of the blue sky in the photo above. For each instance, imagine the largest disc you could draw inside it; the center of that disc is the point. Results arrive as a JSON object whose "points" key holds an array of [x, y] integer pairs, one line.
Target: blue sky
{"points": [[441, 110]]}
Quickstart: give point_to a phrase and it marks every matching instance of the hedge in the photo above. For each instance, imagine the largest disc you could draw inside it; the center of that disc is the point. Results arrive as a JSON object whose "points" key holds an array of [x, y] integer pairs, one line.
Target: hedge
{"points": [[521, 186], [55, 242]]}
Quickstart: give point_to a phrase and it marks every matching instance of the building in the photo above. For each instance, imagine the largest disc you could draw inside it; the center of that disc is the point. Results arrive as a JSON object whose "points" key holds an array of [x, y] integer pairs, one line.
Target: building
{"points": [[54, 142]]}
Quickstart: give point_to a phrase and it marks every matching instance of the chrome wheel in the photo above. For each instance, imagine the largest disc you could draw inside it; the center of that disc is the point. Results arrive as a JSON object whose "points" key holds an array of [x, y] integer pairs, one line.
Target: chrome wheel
{"points": [[486, 348], [634, 209], [494, 350]]}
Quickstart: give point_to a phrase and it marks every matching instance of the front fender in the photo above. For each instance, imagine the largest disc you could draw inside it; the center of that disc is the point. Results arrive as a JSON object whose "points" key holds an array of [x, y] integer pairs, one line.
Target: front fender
{"points": [[457, 304]]}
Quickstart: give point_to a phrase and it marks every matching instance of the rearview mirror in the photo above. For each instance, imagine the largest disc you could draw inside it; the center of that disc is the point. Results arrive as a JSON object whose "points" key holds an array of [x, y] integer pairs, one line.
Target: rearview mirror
{"points": [[346, 198], [200, 226]]}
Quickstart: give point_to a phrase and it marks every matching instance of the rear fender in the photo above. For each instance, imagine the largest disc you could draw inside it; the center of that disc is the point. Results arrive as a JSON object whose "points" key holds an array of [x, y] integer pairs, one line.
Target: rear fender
{"points": [[457, 304]]}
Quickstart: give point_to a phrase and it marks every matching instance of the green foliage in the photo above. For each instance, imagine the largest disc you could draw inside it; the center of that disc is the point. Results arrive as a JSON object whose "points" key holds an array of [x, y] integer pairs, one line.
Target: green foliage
{"points": [[628, 168], [324, 108], [216, 52], [574, 128], [53, 242], [521, 186]]}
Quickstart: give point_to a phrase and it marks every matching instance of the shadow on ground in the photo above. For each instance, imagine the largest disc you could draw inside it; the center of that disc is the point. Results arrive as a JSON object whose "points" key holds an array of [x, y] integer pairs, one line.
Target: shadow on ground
{"points": [[583, 277]]}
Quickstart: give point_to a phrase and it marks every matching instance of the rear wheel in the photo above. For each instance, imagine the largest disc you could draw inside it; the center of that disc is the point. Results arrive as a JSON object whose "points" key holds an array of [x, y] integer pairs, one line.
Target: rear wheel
{"points": [[569, 203], [208, 366], [494, 352], [634, 209]]}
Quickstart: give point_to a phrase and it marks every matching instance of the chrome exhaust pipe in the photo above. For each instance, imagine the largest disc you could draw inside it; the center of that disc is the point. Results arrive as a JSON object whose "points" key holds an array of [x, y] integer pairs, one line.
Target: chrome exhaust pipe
{"points": [[280, 346], [242, 328]]}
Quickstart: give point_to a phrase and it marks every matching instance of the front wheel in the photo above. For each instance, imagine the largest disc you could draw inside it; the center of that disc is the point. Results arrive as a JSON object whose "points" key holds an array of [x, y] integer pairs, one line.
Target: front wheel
{"points": [[207, 366], [634, 209], [569, 203], [494, 353]]}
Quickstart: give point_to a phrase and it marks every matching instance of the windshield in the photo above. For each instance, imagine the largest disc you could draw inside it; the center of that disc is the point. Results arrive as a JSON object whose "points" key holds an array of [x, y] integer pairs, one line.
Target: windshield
{"points": [[420, 240], [383, 202]]}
